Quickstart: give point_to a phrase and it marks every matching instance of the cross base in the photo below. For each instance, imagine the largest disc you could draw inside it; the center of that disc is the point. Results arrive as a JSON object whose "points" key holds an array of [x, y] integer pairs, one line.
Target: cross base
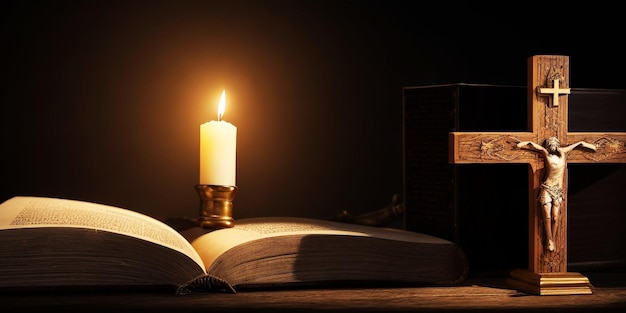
{"points": [[541, 284]]}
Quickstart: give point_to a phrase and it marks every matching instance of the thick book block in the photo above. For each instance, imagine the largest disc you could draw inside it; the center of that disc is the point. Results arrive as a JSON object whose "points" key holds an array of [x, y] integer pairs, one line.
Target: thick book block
{"points": [[484, 207], [52, 244]]}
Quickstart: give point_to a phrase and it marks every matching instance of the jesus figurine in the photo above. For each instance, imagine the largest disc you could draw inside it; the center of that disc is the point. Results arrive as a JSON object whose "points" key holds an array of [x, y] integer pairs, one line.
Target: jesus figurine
{"points": [[551, 194]]}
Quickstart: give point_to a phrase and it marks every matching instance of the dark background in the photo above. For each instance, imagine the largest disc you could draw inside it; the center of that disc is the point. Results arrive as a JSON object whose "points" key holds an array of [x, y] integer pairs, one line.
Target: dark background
{"points": [[102, 100]]}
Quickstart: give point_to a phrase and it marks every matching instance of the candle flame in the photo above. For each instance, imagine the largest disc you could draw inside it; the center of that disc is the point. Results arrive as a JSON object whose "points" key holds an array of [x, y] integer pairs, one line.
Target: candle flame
{"points": [[222, 106]]}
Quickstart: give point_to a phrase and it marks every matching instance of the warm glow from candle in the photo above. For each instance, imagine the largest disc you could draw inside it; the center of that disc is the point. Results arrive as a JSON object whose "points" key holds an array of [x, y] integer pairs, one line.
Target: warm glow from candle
{"points": [[222, 106]]}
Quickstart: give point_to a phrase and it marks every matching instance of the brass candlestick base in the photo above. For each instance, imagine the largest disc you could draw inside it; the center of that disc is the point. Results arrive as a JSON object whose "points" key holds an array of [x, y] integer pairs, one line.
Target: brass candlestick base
{"points": [[216, 206]]}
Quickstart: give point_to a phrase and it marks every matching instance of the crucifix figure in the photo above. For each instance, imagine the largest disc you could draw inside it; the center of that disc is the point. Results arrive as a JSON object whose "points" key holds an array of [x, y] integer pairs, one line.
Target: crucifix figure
{"points": [[551, 193], [548, 80]]}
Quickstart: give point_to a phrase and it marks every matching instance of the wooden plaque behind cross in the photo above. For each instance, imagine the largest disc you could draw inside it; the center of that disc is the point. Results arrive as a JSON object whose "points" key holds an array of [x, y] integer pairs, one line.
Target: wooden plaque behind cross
{"points": [[548, 89]]}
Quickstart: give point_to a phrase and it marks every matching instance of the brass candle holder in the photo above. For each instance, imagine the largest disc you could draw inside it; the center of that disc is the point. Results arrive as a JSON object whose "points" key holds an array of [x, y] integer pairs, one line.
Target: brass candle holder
{"points": [[216, 206]]}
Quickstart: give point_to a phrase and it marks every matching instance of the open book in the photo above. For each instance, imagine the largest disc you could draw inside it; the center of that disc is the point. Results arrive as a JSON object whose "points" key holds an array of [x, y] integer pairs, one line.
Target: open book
{"points": [[53, 243]]}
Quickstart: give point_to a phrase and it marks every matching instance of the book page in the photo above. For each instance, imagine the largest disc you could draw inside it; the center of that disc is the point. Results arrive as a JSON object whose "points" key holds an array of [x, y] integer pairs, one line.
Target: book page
{"points": [[268, 226], [211, 244], [31, 212]]}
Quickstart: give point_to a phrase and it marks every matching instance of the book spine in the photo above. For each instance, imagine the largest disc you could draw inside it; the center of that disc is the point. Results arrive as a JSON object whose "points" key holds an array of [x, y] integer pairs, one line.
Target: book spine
{"points": [[206, 283]]}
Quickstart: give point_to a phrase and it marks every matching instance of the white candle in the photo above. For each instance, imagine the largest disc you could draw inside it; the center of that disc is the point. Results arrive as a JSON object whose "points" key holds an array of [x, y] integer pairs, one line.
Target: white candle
{"points": [[218, 150]]}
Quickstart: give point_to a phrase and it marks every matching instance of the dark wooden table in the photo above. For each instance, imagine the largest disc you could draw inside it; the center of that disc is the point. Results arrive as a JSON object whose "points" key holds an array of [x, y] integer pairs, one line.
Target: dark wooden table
{"points": [[487, 293]]}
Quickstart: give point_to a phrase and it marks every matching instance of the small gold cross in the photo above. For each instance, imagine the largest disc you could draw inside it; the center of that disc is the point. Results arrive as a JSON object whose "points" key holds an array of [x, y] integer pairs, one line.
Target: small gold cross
{"points": [[555, 91]]}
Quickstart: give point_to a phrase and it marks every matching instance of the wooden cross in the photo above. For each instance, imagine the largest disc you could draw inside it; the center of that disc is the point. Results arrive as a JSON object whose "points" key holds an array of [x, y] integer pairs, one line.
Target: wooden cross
{"points": [[548, 78]]}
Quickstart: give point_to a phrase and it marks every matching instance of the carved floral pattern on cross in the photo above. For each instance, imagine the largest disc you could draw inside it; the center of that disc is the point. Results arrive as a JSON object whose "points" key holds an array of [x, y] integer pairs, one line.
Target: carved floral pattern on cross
{"points": [[607, 148], [498, 148]]}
